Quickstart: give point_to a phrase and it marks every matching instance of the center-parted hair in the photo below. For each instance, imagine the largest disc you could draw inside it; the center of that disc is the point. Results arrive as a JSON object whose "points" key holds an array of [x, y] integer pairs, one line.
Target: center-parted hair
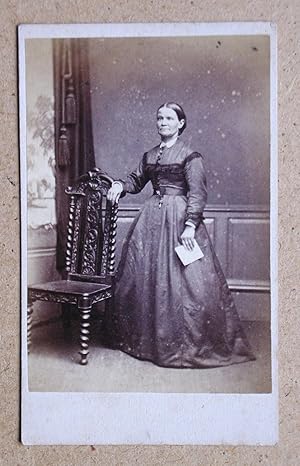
{"points": [[179, 112]]}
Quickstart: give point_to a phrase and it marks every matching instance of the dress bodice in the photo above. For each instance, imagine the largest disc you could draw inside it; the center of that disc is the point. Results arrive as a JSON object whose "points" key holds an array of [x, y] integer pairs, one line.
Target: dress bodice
{"points": [[178, 166], [169, 168]]}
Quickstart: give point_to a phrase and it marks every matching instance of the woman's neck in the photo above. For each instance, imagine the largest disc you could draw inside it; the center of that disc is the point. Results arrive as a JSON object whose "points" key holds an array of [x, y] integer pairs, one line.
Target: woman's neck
{"points": [[169, 140]]}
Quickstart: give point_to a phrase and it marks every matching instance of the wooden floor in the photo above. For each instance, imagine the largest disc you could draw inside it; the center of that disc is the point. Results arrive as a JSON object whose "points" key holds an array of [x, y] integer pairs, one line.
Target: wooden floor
{"points": [[53, 366]]}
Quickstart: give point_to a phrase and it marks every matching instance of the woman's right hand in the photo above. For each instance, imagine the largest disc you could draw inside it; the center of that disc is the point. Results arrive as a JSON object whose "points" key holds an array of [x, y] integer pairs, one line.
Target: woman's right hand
{"points": [[114, 193]]}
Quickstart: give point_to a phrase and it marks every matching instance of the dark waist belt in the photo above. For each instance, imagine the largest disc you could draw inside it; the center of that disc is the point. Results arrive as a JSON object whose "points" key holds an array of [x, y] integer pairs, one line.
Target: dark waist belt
{"points": [[170, 191]]}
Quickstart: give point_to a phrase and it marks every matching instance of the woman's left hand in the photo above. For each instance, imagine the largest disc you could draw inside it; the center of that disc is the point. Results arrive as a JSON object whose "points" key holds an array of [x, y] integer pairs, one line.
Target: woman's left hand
{"points": [[187, 237]]}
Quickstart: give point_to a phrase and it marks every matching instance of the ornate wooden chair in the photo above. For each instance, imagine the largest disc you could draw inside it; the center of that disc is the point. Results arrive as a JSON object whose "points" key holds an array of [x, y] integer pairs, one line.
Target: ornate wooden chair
{"points": [[90, 255]]}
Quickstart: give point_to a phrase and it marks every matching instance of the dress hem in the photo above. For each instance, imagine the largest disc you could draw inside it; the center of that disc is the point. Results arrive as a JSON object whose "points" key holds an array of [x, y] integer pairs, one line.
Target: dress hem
{"points": [[229, 362]]}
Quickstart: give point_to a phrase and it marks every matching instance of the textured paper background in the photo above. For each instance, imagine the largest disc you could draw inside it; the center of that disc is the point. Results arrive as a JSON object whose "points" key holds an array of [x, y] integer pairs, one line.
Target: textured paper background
{"points": [[286, 15]]}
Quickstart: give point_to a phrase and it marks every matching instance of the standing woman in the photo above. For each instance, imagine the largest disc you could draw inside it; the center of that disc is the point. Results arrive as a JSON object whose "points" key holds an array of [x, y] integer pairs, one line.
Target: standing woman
{"points": [[165, 312]]}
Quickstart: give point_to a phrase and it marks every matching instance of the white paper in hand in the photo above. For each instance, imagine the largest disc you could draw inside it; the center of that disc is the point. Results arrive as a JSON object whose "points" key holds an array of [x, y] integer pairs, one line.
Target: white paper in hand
{"points": [[187, 257]]}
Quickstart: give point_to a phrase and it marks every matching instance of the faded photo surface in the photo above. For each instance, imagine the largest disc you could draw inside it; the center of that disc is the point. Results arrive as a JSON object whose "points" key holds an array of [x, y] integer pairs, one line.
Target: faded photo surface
{"points": [[93, 102]]}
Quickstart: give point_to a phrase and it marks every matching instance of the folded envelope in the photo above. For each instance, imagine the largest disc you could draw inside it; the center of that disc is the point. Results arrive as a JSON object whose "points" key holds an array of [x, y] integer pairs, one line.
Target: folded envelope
{"points": [[187, 257]]}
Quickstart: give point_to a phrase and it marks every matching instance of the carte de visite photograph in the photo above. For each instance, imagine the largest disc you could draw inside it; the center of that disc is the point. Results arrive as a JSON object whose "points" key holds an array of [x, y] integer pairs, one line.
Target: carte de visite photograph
{"points": [[149, 209]]}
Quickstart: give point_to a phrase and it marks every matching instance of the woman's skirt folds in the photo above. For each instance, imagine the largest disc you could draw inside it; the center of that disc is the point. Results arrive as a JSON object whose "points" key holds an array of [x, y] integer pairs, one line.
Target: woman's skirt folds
{"points": [[170, 314]]}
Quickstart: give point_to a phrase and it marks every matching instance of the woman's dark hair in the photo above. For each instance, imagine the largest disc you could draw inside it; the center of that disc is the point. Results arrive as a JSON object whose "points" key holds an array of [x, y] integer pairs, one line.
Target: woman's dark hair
{"points": [[179, 112]]}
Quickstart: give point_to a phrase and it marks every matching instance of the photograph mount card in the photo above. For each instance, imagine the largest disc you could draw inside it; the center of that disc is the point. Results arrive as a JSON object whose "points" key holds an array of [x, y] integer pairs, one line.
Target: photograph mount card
{"points": [[128, 133]]}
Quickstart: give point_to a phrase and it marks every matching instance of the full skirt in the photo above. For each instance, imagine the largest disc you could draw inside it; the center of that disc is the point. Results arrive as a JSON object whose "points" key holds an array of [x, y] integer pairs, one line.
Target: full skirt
{"points": [[168, 313]]}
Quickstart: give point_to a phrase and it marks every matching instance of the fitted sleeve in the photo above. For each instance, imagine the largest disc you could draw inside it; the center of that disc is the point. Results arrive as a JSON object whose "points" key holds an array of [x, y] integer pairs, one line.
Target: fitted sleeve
{"points": [[197, 191], [136, 180]]}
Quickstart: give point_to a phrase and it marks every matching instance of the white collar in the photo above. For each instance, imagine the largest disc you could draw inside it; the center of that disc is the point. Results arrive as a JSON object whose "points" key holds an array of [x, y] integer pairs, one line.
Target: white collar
{"points": [[169, 143]]}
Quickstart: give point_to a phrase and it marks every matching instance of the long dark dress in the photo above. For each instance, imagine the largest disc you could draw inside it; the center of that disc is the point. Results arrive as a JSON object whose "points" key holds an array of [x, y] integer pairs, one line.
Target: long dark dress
{"points": [[172, 315]]}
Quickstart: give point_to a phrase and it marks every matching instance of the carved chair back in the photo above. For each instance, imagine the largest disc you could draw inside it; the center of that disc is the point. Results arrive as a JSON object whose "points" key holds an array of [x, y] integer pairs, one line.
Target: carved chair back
{"points": [[91, 235]]}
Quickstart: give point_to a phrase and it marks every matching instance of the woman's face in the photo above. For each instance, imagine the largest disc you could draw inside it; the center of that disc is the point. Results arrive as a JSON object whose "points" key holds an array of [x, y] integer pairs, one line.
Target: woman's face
{"points": [[168, 123]]}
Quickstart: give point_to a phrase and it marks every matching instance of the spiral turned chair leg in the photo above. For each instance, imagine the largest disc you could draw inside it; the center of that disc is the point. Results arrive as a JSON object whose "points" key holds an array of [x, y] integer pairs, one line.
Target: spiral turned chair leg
{"points": [[29, 324], [85, 309]]}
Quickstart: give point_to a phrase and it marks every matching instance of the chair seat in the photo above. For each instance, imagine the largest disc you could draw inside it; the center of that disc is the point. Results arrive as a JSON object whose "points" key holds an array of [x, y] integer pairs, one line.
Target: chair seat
{"points": [[67, 287]]}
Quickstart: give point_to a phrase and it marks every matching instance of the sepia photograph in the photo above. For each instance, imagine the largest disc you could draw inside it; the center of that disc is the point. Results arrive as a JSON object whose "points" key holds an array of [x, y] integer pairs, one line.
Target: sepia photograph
{"points": [[148, 169]]}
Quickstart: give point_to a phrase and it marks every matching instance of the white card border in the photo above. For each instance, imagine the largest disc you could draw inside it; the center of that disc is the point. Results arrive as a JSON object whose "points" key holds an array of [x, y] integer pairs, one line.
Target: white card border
{"points": [[149, 418]]}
